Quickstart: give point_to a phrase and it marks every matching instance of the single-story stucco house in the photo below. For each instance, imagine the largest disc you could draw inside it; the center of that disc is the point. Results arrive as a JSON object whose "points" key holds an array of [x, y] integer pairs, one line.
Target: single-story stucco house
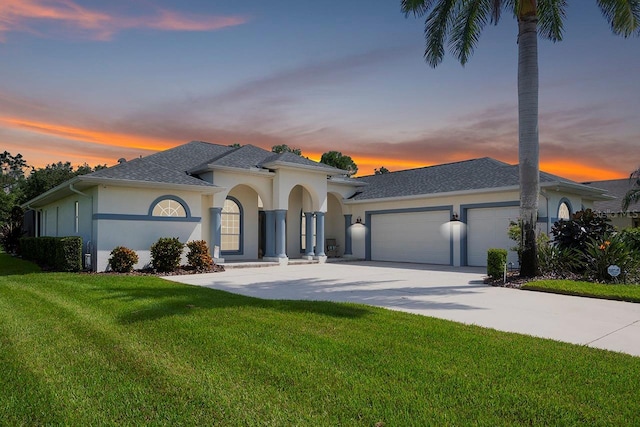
{"points": [[250, 203], [612, 208]]}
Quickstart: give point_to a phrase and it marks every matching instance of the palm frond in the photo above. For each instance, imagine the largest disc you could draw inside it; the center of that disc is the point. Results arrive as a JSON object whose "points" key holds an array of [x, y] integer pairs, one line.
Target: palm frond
{"points": [[469, 22], [416, 8], [437, 26], [633, 195], [622, 15], [551, 15]]}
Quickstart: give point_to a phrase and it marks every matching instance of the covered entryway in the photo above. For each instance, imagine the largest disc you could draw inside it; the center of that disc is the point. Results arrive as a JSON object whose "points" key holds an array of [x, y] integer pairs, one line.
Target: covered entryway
{"points": [[410, 237], [488, 228]]}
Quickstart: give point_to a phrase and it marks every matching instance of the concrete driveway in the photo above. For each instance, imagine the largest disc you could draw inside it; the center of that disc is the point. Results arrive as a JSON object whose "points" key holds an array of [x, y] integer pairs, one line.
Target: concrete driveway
{"points": [[456, 294]]}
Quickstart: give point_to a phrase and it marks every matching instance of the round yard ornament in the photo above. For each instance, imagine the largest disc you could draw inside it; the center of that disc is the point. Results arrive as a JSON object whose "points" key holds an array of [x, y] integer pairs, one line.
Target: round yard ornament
{"points": [[613, 270]]}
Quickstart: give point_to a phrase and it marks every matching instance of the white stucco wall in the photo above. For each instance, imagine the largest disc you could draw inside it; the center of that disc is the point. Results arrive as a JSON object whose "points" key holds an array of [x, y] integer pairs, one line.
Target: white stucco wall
{"points": [[59, 220], [139, 233]]}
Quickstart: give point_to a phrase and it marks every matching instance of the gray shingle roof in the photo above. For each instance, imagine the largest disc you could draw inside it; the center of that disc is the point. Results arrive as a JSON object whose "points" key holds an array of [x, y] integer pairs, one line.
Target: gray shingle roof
{"points": [[147, 170], [466, 175], [299, 160], [176, 165], [617, 188], [185, 157]]}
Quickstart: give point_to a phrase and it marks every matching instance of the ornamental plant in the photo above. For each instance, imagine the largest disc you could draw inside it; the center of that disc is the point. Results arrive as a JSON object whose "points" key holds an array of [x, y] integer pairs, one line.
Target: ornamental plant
{"points": [[123, 259], [198, 256], [580, 229], [557, 262], [166, 253], [611, 249]]}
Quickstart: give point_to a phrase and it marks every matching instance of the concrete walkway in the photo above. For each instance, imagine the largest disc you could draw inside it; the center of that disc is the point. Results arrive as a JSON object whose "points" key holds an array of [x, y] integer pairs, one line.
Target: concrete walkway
{"points": [[448, 293]]}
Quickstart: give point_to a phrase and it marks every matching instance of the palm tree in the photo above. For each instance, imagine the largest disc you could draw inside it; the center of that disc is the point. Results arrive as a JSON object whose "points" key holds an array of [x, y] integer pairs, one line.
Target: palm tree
{"points": [[633, 195], [460, 22]]}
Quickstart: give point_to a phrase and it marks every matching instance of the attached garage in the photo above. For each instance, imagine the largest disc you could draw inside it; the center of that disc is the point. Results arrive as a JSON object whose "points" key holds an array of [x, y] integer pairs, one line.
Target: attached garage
{"points": [[487, 228], [410, 237]]}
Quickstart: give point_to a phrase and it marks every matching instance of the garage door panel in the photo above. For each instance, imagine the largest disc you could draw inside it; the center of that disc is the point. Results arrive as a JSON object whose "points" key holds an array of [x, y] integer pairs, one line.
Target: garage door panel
{"points": [[410, 237], [487, 228]]}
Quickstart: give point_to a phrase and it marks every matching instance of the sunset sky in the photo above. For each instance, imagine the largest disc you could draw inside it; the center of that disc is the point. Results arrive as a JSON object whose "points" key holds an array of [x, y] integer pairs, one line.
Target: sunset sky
{"points": [[87, 81]]}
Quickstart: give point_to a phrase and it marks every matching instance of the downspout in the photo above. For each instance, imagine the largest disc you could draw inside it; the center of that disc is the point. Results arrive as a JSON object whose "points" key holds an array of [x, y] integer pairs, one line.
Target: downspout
{"points": [[89, 244], [548, 218], [72, 188]]}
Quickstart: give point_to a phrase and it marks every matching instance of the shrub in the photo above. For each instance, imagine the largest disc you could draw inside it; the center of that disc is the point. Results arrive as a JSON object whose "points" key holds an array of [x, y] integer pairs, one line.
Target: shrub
{"points": [[611, 249], [583, 226], [556, 261], [632, 237], [166, 253], [198, 256], [496, 261], [123, 259], [515, 233], [57, 253]]}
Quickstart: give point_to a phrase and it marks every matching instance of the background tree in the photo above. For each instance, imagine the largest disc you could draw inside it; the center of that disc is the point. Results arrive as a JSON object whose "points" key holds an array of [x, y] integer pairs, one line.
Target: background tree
{"points": [[12, 170], [340, 161], [11, 176], [284, 148], [44, 179], [381, 171], [459, 23], [633, 195], [235, 145]]}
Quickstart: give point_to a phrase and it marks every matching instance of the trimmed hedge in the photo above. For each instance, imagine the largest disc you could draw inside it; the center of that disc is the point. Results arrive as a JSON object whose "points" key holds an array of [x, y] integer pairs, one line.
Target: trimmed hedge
{"points": [[56, 253], [496, 260]]}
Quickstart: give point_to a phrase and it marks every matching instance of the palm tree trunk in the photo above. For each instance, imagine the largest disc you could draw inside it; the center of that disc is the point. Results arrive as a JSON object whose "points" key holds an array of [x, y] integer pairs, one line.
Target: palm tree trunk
{"points": [[528, 144]]}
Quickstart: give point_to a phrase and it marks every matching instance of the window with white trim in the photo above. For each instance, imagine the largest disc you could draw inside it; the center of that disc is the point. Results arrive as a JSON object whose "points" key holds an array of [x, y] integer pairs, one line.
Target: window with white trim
{"points": [[169, 207], [230, 219], [563, 211], [77, 216]]}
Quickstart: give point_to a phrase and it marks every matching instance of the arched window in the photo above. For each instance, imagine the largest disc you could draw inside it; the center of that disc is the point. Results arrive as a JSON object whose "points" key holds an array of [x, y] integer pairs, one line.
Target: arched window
{"points": [[231, 226], [564, 211], [169, 207]]}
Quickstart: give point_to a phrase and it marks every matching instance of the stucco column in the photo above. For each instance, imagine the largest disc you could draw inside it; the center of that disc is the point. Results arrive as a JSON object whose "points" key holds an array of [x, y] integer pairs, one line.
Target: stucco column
{"points": [[308, 220], [320, 234], [281, 233], [347, 235], [215, 218], [270, 234]]}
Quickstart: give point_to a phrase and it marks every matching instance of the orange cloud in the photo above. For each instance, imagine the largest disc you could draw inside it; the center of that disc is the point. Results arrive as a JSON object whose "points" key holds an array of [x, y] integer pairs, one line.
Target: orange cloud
{"points": [[90, 135], [25, 15], [580, 172]]}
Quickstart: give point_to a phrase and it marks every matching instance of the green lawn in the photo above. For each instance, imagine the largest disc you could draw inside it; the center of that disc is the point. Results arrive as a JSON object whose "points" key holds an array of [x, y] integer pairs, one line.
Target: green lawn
{"points": [[617, 292], [101, 349]]}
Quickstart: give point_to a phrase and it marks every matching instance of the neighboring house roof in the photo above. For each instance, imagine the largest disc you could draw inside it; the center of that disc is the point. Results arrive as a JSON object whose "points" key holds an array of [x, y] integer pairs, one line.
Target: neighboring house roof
{"points": [[616, 188], [469, 175]]}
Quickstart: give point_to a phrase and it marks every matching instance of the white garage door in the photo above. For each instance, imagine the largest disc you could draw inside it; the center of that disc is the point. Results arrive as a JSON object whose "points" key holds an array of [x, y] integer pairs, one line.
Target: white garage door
{"points": [[487, 228], [410, 237]]}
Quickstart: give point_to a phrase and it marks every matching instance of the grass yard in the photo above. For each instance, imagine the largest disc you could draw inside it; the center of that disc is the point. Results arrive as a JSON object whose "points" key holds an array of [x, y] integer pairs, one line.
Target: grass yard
{"points": [[106, 350], [619, 292]]}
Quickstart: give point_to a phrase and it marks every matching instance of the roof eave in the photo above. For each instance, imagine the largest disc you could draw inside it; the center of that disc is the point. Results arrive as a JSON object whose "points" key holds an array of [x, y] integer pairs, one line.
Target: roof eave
{"points": [[592, 193], [254, 170], [434, 195], [328, 170]]}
